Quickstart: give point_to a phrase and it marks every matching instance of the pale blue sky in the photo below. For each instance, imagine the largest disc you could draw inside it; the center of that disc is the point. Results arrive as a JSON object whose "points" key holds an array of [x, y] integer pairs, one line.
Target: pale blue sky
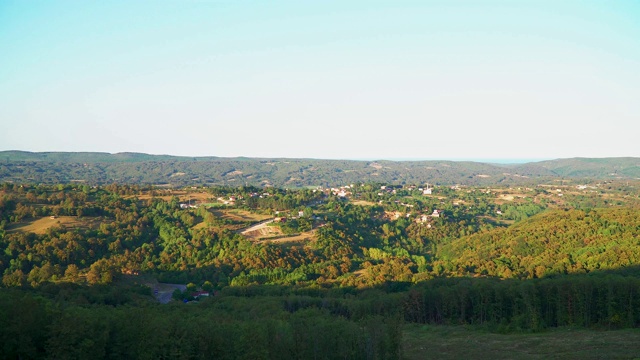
{"points": [[322, 79]]}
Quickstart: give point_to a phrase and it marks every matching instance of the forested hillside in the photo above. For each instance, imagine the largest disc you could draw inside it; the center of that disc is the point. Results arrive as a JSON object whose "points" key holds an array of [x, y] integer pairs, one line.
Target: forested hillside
{"points": [[628, 167], [555, 242], [135, 168]]}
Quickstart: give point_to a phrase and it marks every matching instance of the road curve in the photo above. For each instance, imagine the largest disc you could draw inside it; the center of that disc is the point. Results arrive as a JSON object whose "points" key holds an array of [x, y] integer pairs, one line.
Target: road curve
{"points": [[163, 292], [255, 227]]}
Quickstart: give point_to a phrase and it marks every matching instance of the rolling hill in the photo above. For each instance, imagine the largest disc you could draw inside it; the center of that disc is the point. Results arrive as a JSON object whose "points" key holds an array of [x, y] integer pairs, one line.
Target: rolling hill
{"points": [[138, 168]]}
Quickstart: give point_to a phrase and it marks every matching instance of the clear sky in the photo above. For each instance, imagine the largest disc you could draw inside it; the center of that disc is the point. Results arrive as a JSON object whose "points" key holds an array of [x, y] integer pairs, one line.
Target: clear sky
{"points": [[322, 79]]}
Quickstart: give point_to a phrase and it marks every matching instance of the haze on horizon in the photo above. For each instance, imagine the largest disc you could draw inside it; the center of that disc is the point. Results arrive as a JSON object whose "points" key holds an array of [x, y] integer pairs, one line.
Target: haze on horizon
{"points": [[333, 80]]}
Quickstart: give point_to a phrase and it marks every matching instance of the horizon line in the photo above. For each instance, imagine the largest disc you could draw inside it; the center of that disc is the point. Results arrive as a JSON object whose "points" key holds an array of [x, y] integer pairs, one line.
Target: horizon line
{"points": [[487, 160]]}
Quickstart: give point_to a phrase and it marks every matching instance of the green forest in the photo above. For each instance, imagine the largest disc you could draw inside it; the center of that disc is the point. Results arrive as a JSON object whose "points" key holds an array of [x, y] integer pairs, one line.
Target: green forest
{"points": [[145, 271]]}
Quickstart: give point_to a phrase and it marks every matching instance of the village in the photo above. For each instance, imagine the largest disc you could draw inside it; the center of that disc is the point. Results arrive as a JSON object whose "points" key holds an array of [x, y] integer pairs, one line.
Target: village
{"points": [[279, 218]]}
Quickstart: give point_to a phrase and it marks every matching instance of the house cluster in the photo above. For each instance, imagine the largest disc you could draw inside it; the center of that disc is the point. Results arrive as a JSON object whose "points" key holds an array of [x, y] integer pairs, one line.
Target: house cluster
{"points": [[231, 200], [389, 189], [404, 204], [424, 218], [392, 189], [188, 206], [342, 191], [199, 294], [282, 217]]}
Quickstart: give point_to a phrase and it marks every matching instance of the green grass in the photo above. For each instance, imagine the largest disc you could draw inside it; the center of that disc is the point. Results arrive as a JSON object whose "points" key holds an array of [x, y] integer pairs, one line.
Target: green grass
{"points": [[461, 342]]}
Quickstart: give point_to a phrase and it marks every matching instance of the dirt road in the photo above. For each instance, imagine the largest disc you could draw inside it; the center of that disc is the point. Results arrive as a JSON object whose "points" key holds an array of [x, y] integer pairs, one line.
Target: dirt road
{"points": [[255, 227]]}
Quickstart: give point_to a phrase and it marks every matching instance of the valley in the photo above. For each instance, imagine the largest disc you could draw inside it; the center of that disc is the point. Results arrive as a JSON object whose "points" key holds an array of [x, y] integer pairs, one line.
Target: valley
{"points": [[414, 266]]}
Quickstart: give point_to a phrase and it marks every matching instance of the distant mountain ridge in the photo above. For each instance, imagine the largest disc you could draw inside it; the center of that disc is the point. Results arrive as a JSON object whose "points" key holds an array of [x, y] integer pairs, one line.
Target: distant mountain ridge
{"points": [[626, 167], [88, 157], [140, 168]]}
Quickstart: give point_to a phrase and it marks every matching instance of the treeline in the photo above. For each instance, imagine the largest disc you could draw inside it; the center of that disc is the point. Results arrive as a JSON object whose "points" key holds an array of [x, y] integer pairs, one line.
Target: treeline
{"points": [[601, 300], [267, 322], [230, 327]]}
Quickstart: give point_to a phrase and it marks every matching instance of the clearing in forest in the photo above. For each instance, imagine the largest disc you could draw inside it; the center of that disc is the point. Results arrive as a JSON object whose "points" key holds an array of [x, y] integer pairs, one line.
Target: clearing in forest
{"points": [[363, 203], [305, 236], [41, 225], [240, 215], [261, 231]]}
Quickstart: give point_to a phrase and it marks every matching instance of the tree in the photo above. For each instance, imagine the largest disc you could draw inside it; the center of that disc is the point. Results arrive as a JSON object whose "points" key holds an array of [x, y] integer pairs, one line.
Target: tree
{"points": [[177, 295], [207, 286], [16, 278], [100, 272], [308, 212], [71, 273]]}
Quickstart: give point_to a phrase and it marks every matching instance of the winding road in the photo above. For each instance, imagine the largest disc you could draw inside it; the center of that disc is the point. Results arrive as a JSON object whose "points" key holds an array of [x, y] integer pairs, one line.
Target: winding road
{"points": [[255, 227]]}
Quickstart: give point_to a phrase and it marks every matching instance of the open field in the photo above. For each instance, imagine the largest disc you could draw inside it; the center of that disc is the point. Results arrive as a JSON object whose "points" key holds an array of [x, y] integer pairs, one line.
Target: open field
{"points": [[362, 203], [205, 225], [200, 225], [240, 215], [509, 197], [497, 220], [40, 226], [305, 236], [459, 342], [242, 222]]}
